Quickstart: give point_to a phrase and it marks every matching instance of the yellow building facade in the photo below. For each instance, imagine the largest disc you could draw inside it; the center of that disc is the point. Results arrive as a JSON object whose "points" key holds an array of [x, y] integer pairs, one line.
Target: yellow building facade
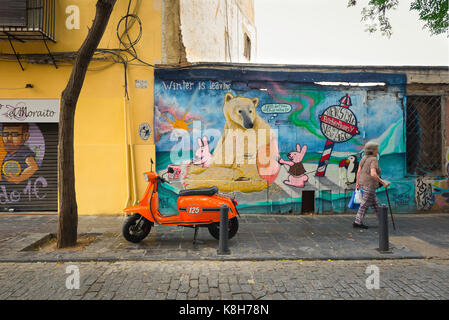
{"points": [[110, 154]]}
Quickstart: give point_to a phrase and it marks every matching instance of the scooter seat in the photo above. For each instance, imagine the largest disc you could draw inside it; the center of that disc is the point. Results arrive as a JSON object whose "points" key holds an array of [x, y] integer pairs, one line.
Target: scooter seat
{"points": [[199, 192]]}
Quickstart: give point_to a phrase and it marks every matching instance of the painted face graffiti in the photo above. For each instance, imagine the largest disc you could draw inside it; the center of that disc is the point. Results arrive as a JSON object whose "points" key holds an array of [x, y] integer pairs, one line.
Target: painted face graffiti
{"points": [[14, 136], [22, 151], [19, 164]]}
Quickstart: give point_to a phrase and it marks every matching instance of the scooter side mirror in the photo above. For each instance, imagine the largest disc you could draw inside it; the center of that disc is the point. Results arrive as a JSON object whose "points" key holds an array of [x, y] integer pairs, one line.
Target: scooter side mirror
{"points": [[170, 170]]}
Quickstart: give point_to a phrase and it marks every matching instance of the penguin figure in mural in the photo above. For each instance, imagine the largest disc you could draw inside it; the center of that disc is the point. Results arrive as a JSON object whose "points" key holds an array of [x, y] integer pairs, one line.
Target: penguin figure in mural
{"points": [[351, 164]]}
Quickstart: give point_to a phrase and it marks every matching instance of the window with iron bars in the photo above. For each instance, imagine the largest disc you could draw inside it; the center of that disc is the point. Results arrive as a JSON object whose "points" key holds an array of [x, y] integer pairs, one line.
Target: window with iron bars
{"points": [[424, 136]]}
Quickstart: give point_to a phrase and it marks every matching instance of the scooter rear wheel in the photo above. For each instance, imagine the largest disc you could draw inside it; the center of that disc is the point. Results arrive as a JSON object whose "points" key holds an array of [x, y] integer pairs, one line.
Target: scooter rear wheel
{"points": [[233, 227], [136, 229]]}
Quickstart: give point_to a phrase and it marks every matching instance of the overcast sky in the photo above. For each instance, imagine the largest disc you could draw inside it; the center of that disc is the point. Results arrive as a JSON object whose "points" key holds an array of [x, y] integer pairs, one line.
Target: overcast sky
{"points": [[326, 32]]}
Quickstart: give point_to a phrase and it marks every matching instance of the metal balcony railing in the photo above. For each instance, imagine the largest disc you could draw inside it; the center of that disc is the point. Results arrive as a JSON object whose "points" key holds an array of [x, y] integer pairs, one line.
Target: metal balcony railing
{"points": [[24, 20]]}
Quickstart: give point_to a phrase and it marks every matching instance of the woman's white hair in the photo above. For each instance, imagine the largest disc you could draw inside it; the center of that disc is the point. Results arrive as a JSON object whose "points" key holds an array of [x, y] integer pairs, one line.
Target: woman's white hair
{"points": [[370, 147]]}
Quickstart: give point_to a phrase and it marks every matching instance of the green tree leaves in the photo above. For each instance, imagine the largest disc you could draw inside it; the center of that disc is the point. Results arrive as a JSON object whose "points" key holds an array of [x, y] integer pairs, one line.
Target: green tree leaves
{"points": [[433, 12]]}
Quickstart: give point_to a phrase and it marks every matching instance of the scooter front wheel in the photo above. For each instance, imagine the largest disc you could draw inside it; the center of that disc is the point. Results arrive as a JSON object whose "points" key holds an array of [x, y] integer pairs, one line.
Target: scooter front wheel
{"points": [[136, 228], [233, 227]]}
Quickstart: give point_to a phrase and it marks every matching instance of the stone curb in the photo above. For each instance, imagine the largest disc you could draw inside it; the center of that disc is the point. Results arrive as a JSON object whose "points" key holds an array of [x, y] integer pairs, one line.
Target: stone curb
{"points": [[262, 238]]}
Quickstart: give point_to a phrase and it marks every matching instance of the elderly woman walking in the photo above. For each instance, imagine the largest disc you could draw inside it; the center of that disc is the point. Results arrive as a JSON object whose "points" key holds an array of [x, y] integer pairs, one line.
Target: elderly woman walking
{"points": [[368, 178]]}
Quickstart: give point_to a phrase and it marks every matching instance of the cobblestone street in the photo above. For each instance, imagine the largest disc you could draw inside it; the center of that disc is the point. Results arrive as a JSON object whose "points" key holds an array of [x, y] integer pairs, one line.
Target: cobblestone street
{"points": [[237, 280]]}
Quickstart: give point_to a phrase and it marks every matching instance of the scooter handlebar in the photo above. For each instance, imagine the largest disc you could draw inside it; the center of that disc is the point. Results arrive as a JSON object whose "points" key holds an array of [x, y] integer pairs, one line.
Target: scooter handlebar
{"points": [[163, 180]]}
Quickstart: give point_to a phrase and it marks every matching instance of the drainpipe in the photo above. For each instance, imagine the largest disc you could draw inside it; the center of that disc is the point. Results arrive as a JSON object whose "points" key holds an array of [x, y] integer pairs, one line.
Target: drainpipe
{"points": [[125, 117], [133, 173], [129, 151]]}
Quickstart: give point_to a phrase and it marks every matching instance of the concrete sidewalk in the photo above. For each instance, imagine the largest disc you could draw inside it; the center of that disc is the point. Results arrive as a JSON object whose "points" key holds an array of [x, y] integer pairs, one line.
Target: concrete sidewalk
{"points": [[260, 237]]}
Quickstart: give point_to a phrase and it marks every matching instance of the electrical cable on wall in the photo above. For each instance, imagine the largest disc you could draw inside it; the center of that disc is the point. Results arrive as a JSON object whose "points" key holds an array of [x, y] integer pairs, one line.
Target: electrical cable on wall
{"points": [[126, 54]]}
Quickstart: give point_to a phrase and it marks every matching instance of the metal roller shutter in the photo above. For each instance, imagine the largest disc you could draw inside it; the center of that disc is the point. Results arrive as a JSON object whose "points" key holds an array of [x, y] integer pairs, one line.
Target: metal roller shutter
{"points": [[37, 155]]}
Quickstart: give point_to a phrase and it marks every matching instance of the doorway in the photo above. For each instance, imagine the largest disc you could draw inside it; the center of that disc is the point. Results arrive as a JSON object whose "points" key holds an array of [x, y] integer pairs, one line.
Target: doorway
{"points": [[308, 202]]}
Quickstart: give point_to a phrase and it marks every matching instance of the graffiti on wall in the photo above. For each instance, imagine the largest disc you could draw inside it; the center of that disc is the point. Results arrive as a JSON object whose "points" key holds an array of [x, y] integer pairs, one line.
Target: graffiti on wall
{"points": [[348, 168], [442, 187], [338, 125], [267, 143], [424, 194], [22, 153], [244, 158], [441, 194], [432, 193], [297, 174], [447, 162]]}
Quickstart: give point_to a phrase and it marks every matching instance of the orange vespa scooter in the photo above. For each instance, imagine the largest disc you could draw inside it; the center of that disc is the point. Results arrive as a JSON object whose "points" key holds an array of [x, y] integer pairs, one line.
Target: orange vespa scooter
{"points": [[196, 208]]}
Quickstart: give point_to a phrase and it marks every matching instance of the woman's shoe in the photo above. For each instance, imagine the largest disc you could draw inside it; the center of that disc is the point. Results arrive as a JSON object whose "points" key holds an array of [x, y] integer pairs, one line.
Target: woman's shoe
{"points": [[361, 226]]}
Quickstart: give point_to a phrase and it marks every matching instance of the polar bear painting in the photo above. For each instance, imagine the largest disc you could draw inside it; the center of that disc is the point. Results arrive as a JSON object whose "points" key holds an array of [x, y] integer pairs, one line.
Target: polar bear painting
{"points": [[245, 158]]}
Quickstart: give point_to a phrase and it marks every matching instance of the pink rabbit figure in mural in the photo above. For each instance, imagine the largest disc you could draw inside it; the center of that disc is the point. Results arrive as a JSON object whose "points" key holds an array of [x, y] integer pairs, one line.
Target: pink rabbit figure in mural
{"points": [[203, 157], [297, 177]]}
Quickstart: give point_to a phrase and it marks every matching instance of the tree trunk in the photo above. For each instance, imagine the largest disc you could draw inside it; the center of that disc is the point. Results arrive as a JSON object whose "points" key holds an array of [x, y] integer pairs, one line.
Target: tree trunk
{"points": [[68, 210]]}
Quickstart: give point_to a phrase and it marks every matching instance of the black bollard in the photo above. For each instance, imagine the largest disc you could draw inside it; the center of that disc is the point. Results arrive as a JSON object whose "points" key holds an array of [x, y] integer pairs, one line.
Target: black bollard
{"points": [[383, 230], [223, 247]]}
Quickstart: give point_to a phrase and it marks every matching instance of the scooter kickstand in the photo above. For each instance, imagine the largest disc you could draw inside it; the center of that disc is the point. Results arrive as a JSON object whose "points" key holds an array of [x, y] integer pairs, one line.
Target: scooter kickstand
{"points": [[195, 235]]}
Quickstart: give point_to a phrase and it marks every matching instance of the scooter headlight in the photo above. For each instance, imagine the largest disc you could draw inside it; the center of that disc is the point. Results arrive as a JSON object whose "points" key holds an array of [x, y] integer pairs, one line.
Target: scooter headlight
{"points": [[146, 177]]}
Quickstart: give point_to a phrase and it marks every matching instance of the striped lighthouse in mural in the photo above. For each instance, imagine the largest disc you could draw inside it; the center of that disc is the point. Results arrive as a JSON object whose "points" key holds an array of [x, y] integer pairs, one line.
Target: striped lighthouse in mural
{"points": [[338, 124]]}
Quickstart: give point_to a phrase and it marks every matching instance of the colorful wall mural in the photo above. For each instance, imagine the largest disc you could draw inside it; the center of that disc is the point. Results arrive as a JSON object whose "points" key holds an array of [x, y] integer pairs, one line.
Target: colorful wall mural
{"points": [[28, 180], [266, 137]]}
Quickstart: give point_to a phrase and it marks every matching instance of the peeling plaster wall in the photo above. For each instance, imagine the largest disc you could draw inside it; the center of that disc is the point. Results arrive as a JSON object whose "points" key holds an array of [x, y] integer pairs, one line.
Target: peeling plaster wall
{"points": [[173, 50], [214, 31]]}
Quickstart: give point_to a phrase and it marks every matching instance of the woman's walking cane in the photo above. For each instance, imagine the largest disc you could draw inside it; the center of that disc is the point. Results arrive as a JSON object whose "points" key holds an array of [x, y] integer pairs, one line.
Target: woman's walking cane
{"points": [[391, 213]]}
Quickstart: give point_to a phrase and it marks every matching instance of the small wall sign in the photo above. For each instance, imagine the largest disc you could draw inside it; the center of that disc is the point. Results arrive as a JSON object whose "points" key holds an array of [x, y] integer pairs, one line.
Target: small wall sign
{"points": [[141, 84], [144, 131]]}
